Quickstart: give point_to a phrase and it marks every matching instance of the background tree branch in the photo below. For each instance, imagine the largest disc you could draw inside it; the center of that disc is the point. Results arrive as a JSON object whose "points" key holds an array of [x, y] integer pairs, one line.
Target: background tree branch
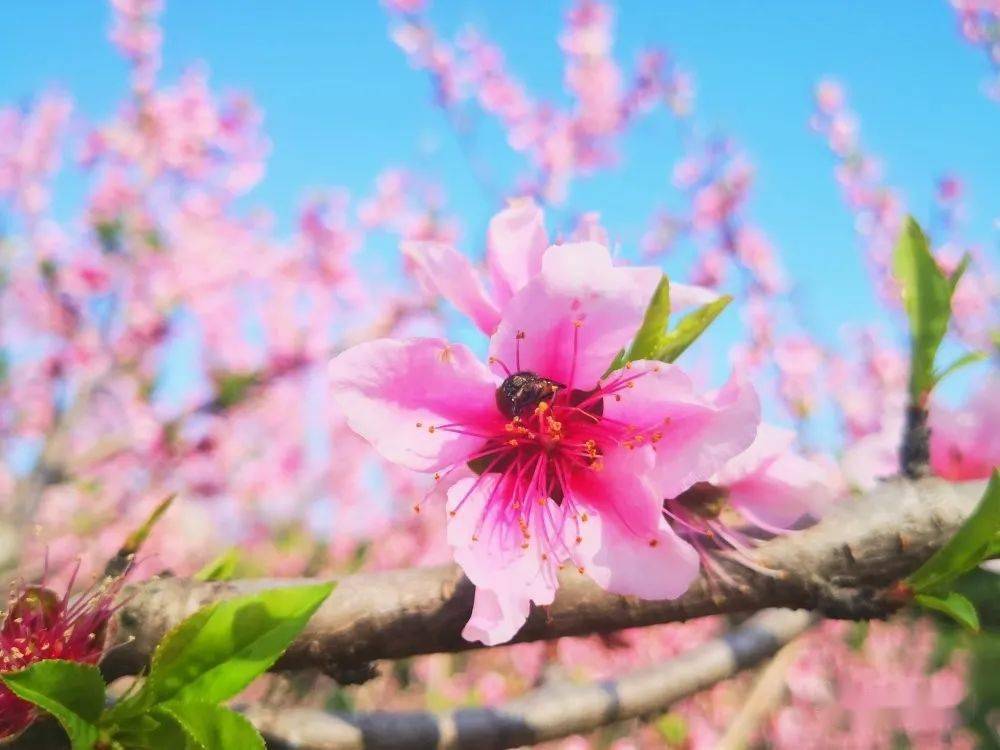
{"points": [[843, 567], [550, 712]]}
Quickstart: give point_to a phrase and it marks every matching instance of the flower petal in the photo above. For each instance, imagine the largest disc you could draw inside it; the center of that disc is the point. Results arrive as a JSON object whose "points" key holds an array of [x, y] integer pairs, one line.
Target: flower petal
{"points": [[516, 240], [508, 569], [769, 443], [781, 492], [445, 271], [393, 392], [571, 320], [697, 434], [625, 545], [495, 619]]}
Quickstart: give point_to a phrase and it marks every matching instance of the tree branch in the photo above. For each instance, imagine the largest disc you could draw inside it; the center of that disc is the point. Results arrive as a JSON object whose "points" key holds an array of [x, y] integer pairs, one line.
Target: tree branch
{"points": [[842, 567], [553, 711], [915, 451]]}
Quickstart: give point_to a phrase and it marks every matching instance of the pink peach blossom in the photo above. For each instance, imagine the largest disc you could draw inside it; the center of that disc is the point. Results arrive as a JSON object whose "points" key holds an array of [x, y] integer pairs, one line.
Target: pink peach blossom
{"points": [[965, 443], [769, 485], [572, 474]]}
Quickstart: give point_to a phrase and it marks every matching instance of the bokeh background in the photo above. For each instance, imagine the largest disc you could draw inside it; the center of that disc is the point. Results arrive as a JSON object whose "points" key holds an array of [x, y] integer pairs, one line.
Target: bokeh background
{"points": [[198, 212]]}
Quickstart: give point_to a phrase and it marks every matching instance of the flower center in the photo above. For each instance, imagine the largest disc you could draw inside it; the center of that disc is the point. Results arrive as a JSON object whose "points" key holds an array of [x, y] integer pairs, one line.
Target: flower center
{"points": [[521, 392], [551, 432]]}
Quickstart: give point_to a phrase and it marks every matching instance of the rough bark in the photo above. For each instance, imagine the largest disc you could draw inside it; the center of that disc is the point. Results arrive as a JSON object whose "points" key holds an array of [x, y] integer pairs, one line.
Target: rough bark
{"points": [[843, 567]]}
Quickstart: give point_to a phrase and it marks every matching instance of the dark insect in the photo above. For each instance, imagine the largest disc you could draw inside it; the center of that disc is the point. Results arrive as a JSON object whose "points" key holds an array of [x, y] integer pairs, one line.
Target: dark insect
{"points": [[521, 392]]}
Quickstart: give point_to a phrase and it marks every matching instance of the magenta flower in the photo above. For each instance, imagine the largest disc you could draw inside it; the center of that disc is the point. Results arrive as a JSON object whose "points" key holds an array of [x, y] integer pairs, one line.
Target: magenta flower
{"points": [[550, 461], [39, 624], [769, 485]]}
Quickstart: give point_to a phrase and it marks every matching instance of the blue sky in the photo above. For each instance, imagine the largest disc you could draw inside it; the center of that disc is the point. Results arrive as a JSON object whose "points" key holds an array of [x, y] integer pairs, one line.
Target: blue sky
{"points": [[341, 103]]}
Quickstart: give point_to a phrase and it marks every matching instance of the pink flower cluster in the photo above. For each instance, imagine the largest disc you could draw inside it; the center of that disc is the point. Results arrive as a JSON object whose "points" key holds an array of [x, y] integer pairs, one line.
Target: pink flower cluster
{"points": [[879, 210], [138, 37], [716, 179], [30, 151], [561, 143], [979, 23], [869, 696], [165, 339]]}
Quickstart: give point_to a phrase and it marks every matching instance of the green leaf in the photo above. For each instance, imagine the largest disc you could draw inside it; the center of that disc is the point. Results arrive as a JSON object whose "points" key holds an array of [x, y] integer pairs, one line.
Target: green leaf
{"points": [[118, 564], [954, 605], [222, 568], [982, 588], [964, 361], [690, 327], [967, 548], [212, 727], [220, 649], [993, 549], [144, 731], [73, 693], [649, 339], [927, 299], [959, 271]]}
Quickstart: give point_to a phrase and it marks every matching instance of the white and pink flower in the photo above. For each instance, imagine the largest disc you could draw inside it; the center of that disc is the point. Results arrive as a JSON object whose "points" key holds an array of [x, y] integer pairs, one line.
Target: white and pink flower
{"points": [[551, 460]]}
